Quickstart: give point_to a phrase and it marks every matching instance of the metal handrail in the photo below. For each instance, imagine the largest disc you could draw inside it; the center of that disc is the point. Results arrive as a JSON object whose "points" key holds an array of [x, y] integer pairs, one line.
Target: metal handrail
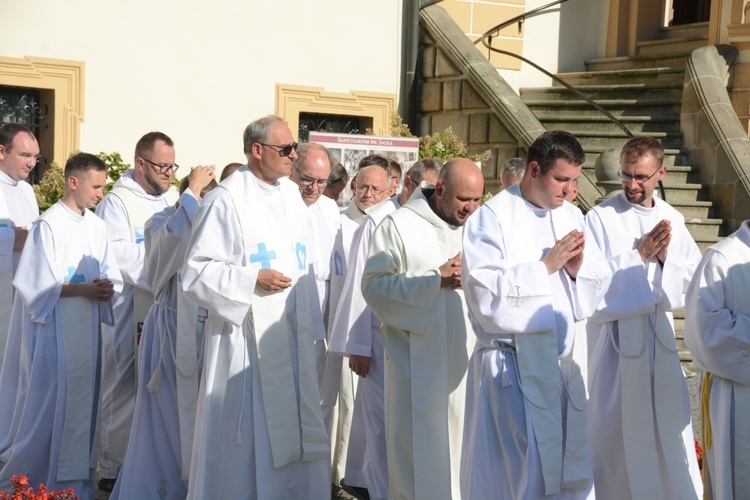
{"points": [[520, 19]]}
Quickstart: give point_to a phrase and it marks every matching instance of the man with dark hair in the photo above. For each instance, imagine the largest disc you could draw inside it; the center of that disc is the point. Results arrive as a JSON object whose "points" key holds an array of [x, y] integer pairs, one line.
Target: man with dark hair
{"points": [[259, 429], [528, 277], [141, 192], [639, 406], [355, 333], [19, 151], [65, 283], [412, 283]]}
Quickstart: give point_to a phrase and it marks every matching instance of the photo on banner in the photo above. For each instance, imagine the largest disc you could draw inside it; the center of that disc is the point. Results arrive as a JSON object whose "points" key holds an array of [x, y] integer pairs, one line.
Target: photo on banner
{"points": [[349, 149]]}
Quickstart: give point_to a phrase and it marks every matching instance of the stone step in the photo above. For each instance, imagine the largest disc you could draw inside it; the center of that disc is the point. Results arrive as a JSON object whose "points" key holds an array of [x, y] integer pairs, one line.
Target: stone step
{"points": [[694, 209], [679, 174], [703, 229], [616, 140], [671, 46], [606, 92], [638, 125], [672, 157], [650, 76], [636, 62], [682, 192], [617, 107], [703, 245], [684, 30]]}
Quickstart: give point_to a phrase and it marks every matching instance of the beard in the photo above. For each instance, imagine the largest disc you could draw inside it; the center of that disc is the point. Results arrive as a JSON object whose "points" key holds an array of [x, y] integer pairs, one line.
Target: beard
{"points": [[635, 198], [153, 182], [444, 213]]}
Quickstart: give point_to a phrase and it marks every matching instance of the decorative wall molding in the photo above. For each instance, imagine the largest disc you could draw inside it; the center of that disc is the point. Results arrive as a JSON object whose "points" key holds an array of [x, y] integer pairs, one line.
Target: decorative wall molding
{"points": [[291, 100], [65, 81]]}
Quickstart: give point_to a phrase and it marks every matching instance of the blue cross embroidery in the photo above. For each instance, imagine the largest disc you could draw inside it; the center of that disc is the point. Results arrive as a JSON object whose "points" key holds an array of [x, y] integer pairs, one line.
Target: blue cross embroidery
{"points": [[338, 262], [264, 256], [74, 277], [301, 255]]}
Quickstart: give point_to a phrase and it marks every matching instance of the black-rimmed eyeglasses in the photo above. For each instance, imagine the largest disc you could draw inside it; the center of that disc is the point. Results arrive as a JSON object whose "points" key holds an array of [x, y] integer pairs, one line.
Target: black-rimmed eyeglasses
{"points": [[163, 169], [283, 150]]}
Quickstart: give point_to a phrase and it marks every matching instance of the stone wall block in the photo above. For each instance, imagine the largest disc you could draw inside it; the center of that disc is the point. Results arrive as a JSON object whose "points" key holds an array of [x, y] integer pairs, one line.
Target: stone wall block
{"points": [[498, 132], [444, 67], [479, 125], [430, 96], [459, 123], [704, 160], [690, 102], [452, 95], [470, 99], [427, 61], [704, 132]]}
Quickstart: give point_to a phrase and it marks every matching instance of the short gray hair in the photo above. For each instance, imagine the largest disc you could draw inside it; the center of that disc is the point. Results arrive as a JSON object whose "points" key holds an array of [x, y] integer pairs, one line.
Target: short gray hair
{"points": [[416, 172], [515, 166], [258, 131]]}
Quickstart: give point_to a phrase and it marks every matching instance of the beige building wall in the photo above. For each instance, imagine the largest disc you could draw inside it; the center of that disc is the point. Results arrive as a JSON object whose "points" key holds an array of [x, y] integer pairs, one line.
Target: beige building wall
{"points": [[200, 71], [559, 39]]}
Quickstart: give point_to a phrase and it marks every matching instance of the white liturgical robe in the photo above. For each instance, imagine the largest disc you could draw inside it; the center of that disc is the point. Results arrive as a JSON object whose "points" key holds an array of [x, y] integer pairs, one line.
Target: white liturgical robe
{"points": [[259, 429], [717, 332], [18, 208], [125, 209], [357, 331], [324, 224], [155, 464], [53, 437], [427, 339], [525, 434], [339, 384], [639, 411]]}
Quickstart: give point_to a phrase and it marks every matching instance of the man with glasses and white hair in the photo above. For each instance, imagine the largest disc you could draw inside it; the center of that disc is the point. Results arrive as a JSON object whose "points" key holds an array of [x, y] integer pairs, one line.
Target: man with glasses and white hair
{"points": [[370, 186], [141, 192], [259, 430], [639, 411]]}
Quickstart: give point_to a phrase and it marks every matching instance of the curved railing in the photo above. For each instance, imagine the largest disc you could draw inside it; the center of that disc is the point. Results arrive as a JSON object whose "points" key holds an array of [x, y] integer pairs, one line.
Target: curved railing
{"points": [[486, 40]]}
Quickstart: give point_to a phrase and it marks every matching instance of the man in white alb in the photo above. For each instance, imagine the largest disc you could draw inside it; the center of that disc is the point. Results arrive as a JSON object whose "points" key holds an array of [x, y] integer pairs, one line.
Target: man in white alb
{"points": [[717, 332], [639, 412], [65, 282], [529, 274], [310, 171], [141, 192], [356, 332], [157, 462], [19, 151], [259, 429], [412, 282], [370, 186]]}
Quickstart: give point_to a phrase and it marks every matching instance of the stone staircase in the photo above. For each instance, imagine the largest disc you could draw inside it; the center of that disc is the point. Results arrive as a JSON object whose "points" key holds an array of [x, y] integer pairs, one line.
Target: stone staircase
{"points": [[645, 93]]}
